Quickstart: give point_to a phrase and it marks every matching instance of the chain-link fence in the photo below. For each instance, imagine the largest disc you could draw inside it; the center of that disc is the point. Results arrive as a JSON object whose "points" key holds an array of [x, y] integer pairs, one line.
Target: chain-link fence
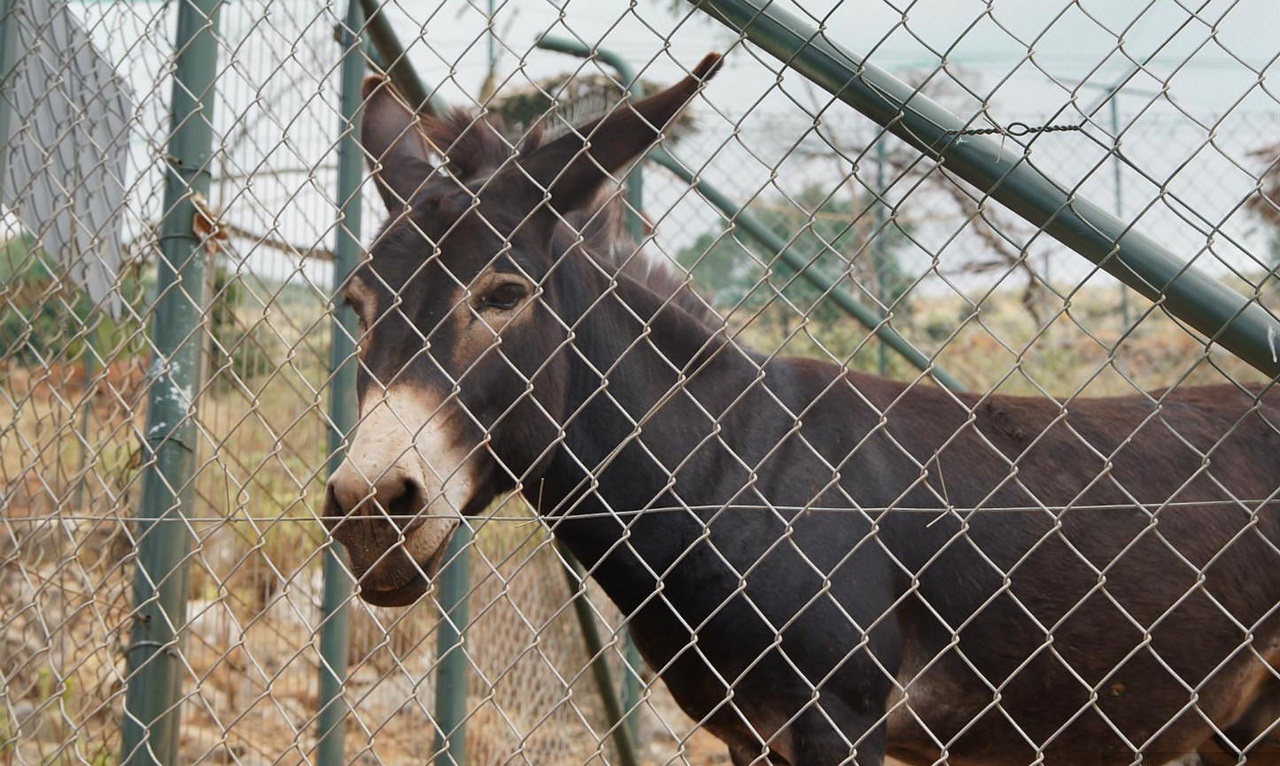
{"points": [[802, 435]]}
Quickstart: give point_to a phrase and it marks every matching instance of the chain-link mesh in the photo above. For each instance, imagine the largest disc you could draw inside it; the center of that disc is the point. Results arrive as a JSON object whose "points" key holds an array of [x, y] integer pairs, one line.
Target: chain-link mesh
{"points": [[1164, 115]]}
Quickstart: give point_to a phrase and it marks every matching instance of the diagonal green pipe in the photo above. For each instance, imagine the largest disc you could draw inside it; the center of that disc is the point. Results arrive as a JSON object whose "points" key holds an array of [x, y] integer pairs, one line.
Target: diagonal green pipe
{"points": [[1239, 324], [753, 227], [396, 59], [614, 712]]}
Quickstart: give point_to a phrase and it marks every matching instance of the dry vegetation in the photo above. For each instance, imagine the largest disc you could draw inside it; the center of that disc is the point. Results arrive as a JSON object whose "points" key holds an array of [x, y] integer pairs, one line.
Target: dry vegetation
{"points": [[69, 467]]}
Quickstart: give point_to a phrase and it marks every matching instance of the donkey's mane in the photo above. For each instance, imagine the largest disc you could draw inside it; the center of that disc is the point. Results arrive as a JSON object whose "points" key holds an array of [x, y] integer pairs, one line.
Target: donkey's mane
{"points": [[476, 145], [604, 238]]}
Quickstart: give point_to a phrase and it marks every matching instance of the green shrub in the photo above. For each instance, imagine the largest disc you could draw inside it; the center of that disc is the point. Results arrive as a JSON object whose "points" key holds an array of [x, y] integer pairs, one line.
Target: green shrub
{"points": [[43, 318]]}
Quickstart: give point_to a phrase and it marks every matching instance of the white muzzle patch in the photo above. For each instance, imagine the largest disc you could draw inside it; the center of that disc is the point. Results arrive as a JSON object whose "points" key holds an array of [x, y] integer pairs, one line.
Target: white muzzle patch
{"points": [[409, 436]]}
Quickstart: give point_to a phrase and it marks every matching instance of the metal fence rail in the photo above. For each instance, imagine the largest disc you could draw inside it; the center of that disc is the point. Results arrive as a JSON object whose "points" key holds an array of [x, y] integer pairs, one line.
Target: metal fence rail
{"points": [[217, 360]]}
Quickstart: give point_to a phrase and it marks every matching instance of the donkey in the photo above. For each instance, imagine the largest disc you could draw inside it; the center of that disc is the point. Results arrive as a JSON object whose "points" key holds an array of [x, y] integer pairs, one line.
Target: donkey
{"points": [[823, 567]]}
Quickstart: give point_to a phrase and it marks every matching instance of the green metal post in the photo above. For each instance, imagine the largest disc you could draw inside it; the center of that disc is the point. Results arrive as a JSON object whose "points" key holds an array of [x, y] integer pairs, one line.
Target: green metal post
{"points": [[335, 644], [452, 587], [335, 630], [153, 675], [615, 715], [1238, 324], [807, 271]]}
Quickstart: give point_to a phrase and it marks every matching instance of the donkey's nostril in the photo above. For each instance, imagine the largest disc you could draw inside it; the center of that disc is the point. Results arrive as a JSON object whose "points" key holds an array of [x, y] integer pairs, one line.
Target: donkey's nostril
{"points": [[396, 498], [334, 511], [405, 505]]}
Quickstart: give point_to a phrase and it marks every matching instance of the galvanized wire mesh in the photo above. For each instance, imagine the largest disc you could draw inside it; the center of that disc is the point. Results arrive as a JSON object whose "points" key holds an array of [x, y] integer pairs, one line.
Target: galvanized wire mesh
{"points": [[1164, 114]]}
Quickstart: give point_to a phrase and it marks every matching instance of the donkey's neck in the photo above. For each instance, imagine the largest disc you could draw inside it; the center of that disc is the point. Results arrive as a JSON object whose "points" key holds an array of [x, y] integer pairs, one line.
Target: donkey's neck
{"points": [[639, 426]]}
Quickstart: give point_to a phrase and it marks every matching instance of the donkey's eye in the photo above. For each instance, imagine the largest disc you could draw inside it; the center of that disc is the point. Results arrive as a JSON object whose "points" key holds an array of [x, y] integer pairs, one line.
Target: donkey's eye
{"points": [[505, 297], [354, 304]]}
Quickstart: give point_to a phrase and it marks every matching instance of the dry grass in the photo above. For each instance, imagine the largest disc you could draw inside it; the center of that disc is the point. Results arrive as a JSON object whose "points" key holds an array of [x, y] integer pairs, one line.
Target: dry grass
{"points": [[1082, 347], [63, 588]]}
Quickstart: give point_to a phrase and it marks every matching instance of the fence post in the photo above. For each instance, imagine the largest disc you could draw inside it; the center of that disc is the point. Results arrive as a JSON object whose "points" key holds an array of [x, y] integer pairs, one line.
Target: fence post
{"points": [[452, 586], [1239, 324], [614, 711], [335, 632], [153, 678]]}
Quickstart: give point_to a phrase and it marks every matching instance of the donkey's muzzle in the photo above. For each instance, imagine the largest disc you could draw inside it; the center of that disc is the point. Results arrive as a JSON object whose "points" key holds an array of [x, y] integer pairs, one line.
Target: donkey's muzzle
{"points": [[395, 547], [396, 499]]}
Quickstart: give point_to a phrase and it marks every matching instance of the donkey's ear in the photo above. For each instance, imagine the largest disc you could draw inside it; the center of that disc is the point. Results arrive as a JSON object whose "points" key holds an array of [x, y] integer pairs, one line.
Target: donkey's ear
{"points": [[395, 143], [573, 167]]}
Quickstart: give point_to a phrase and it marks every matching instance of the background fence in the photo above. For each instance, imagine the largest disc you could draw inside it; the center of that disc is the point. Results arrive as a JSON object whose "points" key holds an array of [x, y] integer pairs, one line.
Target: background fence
{"points": [[1166, 115]]}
